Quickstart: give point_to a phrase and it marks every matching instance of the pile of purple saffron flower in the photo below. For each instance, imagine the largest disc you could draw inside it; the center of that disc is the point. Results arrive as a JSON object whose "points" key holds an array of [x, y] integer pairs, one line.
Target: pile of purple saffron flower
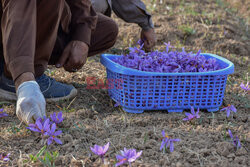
{"points": [[47, 127], [167, 61]]}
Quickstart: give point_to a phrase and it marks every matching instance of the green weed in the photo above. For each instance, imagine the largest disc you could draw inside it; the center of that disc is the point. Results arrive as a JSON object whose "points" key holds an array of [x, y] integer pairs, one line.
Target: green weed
{"points": [[49, 159], [34, 158], [187, 30], [14, 129]]}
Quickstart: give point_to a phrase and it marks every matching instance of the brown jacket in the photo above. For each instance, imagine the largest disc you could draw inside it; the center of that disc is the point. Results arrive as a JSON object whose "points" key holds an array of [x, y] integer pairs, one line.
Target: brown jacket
{"points": [[23, 23]]}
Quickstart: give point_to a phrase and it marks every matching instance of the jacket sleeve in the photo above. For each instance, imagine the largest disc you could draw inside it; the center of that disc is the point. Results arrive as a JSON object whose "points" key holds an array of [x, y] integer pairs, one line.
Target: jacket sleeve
{"points": [[19, 35], [83, 20], [133, 11]]}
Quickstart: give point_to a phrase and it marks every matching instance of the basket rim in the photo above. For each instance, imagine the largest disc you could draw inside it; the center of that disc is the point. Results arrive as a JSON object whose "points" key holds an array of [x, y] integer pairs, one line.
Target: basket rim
{"points": [[115, 67]]}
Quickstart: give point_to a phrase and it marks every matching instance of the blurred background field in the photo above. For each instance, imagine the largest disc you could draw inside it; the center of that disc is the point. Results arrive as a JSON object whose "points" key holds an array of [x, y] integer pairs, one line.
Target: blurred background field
{"points": [[214, 26]]}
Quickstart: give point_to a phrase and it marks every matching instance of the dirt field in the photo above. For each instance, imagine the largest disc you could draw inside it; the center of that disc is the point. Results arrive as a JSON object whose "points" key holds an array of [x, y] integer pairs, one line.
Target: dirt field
{"points": [[209, 25]]}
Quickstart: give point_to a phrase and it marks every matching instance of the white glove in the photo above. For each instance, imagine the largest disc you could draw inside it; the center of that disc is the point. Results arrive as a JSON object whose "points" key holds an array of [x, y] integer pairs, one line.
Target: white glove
{"points": [[30, 102]]}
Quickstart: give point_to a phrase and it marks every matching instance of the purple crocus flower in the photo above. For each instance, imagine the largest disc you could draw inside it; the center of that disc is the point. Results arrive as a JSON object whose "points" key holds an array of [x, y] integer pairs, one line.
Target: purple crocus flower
{"points": [[2, 114], [167, 141], [117, 104], [40, 126], [192, 115], [100, 150], [127, 156], [245, 87], [56, 118], [4, 157], [235, 140], [53, 135], [228, 109]]}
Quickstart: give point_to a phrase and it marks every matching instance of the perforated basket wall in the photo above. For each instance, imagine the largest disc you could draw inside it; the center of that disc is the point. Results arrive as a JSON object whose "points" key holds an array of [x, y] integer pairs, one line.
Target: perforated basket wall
{"points": [[173, 93]]}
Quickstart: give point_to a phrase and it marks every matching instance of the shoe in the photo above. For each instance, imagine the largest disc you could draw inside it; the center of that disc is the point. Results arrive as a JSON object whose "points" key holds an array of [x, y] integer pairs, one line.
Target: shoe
{"points": [[52, 90]]}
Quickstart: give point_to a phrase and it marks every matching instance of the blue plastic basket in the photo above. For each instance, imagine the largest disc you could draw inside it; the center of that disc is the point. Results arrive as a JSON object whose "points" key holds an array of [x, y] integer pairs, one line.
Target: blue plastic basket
{"points": [[174, 92]]}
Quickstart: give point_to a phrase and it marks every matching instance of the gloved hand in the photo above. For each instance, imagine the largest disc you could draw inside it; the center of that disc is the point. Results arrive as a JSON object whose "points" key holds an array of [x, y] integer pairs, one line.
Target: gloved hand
{"points": [[30, 102]]}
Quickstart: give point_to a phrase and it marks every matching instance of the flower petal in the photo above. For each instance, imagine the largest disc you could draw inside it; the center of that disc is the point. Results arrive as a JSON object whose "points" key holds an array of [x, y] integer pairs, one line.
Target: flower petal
{"points": [[197, 113], [39, 124], [50, 140], [167, 142], [33, 129], [238, 144], [59, 116], [171, 146], [46, 124], [138, 154], [223, 109], [119, 157], [233, 108], [58, 141], [163, 143], [53, 128], [57, 133], [242, 86], [120, 163], [53, 116], [93, 150], [105, 148], [228, 113], [176, 140], [230, 134], [6, 159], [163, 133], [192, 110]]}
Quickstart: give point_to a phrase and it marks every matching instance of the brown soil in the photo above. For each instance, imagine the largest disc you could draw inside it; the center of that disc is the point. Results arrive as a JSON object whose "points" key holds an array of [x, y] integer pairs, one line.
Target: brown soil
{"points": [[91, 118]]}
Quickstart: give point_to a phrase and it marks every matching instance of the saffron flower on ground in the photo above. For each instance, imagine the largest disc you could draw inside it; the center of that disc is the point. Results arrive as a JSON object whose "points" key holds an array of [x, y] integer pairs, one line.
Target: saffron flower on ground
{"points": [[245, 87], [100, 150], [2, 114], [228, 109], [167, 141], [40, 126], [192, 115], [235, 140], [117, 104], [56, 118], [4, 157], [127, 156], [53, 135]]}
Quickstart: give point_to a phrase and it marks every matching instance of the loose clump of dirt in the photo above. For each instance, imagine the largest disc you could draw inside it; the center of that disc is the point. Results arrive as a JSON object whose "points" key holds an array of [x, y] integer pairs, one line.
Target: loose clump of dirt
{"points": [[91, 118]]}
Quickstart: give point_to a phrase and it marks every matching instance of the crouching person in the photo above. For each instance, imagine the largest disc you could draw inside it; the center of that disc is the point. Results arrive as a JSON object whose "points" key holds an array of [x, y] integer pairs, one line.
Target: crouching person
{"points": [[36, 33]]}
